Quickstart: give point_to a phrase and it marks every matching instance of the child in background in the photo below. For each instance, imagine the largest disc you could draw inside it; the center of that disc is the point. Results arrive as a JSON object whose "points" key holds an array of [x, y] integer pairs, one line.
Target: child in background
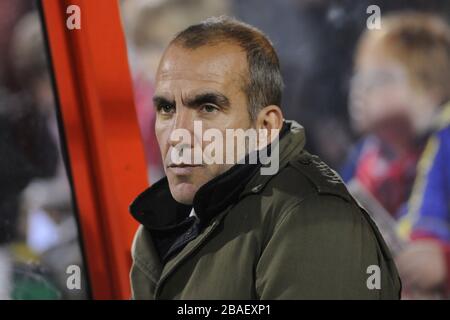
{"points": [[399, 100]]}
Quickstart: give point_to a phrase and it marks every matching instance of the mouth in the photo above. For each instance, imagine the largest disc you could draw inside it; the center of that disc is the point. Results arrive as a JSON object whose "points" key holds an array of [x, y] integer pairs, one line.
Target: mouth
{"points": [[183, 165], [182, 169]]}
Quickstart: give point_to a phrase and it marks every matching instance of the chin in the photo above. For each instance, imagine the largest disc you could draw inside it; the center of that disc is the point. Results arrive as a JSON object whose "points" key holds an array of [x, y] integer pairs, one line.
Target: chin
{"points": [[184, 193]]}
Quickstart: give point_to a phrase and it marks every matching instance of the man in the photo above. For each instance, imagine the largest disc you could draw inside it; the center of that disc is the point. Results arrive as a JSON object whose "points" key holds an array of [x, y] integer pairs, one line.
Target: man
{"points": [[224, 231]]}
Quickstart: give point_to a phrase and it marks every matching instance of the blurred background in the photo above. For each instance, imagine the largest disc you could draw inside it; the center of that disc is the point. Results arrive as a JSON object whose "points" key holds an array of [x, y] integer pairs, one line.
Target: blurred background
{"points": [[373, 103], [38, 228]]}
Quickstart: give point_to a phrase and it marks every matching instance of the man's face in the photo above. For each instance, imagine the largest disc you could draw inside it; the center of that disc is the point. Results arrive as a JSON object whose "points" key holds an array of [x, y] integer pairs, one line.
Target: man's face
{"points": [[204, 84]]}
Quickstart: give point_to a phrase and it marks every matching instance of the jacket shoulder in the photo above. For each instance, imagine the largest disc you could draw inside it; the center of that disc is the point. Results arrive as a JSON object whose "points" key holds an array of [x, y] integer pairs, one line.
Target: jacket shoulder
{"points": [[322, 178], [305, 176]]}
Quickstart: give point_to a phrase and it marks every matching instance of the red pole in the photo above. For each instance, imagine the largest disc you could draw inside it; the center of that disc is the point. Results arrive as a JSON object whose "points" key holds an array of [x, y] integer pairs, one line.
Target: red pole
{"points": [[106, 155]]}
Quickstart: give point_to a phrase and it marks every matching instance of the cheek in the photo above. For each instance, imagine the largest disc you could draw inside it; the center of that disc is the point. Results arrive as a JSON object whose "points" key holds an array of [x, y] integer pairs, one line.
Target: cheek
{"points": [[215, 170], [162, 133]]}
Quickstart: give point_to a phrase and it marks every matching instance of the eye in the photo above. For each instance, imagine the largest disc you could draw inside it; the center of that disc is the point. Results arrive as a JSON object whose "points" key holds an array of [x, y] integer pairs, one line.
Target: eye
{"points": [[209, 108], [166, 109]]}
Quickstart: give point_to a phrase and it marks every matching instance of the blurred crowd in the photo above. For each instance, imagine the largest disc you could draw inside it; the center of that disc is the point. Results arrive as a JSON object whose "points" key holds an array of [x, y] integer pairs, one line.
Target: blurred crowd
{"points": [[38, 232], [399, 104], [375, 104]]}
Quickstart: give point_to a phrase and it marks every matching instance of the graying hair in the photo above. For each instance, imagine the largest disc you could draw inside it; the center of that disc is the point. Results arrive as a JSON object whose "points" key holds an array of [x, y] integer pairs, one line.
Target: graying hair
{"points": [[264, 84]]}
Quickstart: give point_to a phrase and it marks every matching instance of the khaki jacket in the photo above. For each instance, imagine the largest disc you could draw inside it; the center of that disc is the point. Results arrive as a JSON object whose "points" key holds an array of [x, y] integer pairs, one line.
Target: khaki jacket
{"points": [[298, 234]]}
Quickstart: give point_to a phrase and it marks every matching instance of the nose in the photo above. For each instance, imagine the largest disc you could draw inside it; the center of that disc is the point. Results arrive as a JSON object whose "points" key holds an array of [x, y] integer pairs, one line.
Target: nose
{"points": [[183, 128]]}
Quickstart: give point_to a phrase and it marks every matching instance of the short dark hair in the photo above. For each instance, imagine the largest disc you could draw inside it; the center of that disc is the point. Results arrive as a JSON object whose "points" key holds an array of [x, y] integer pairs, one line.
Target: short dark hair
{"points": [[264, 82]]}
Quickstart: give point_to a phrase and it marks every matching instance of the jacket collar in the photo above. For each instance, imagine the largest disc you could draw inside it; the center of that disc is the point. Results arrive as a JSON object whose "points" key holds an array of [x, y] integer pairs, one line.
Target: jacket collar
{"points": [[156, 209], [290, 145]]}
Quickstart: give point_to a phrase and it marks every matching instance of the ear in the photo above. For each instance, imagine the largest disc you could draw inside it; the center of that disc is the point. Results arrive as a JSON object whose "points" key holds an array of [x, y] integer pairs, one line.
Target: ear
{"points": [[270, 117]]}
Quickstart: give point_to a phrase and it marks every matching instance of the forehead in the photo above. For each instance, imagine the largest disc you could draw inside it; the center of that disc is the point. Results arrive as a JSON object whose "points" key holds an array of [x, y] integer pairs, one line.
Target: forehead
{"points": [[218, 65]]}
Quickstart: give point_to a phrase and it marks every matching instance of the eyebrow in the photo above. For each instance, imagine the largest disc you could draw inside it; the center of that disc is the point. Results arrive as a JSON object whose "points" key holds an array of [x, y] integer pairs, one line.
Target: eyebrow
{"points": [[208, 97], [197, 100], [160, 100]]}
